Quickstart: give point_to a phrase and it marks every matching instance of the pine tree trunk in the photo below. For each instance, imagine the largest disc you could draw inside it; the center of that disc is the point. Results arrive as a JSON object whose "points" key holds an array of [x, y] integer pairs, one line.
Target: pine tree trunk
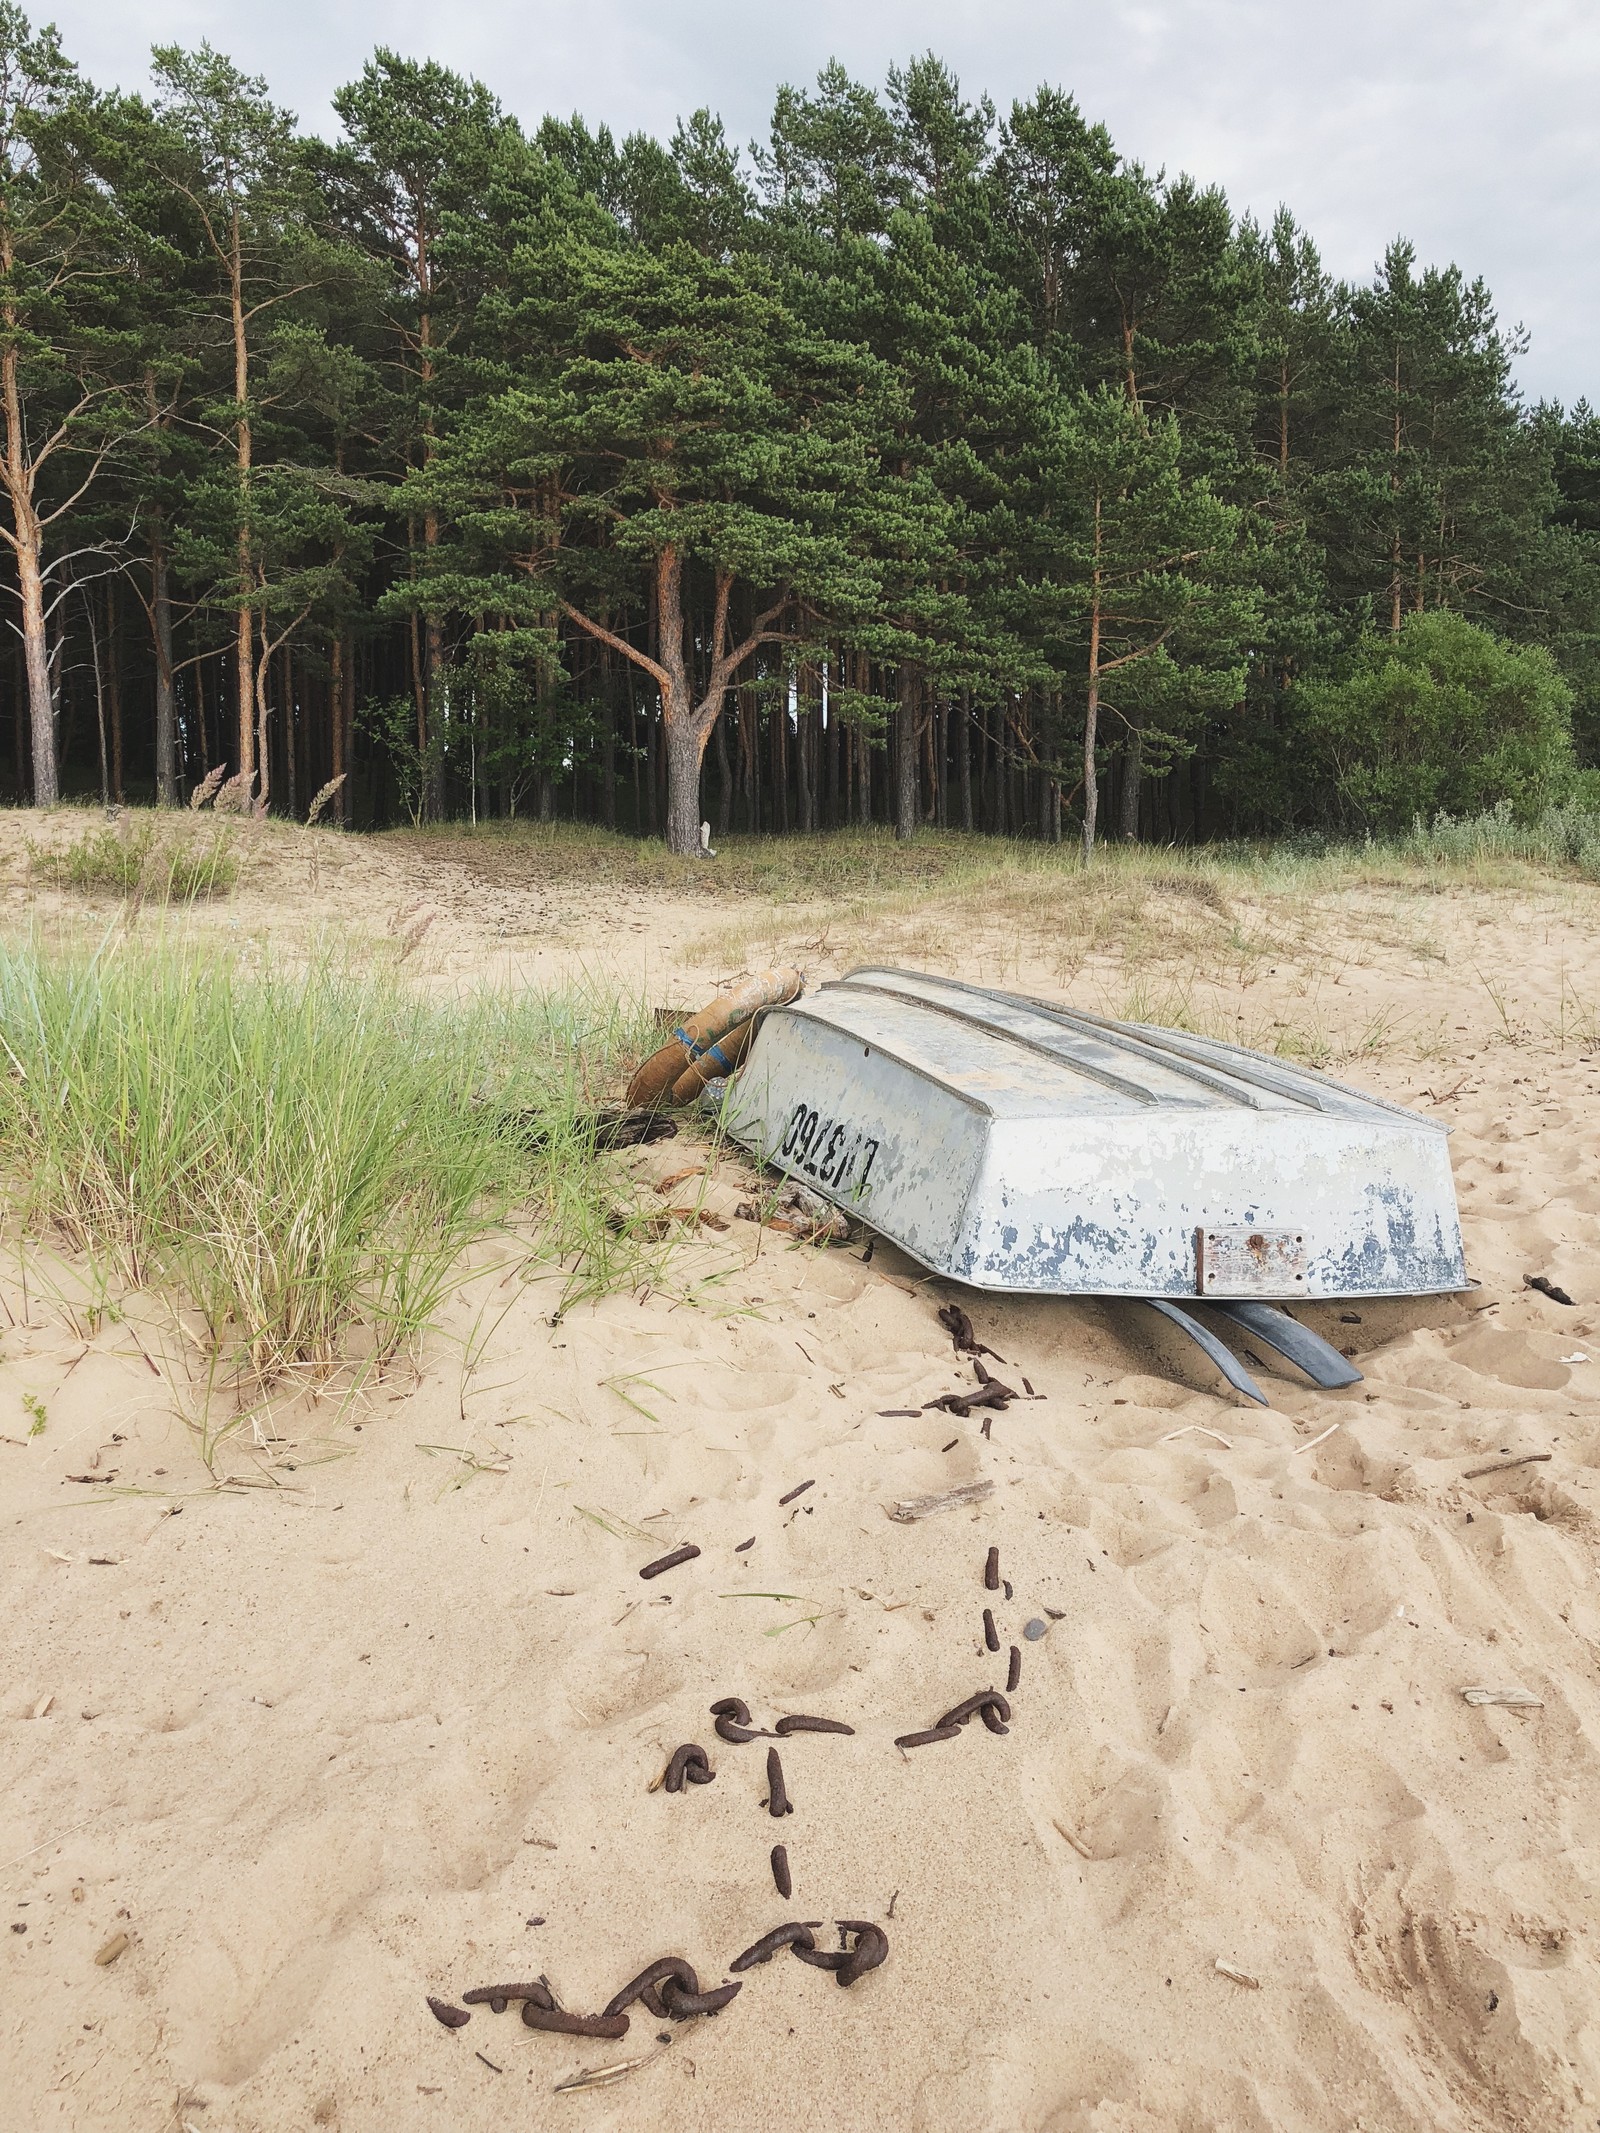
{"points": [[200, 715], [908, 738], [19, 745], [244, 647], [863, 778], [419, 692], [803, 767], [166, 693], [97, 660], [432, 687], [833, 748], [347, 721], [291, 729], [633, 748], [1132, 772], [964, 752], [336, 768], [608, 744], [114, 692], [1091, 714], [684, 749], [724, 779], [36, 664], [263, 758], [780, 770]]}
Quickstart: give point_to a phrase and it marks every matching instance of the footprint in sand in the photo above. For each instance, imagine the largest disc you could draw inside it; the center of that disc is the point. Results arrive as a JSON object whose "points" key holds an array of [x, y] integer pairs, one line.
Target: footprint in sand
{"points": [[1462, 2003]]}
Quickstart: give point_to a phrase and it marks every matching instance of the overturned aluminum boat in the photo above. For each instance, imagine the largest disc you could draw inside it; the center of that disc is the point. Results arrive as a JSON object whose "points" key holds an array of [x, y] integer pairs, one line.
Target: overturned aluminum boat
{"points": [[1016, 1145]]}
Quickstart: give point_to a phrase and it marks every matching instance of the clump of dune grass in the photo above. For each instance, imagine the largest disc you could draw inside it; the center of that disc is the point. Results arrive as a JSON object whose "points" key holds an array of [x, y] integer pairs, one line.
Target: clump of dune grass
{"points": [[143, 861], [292, 1155]]}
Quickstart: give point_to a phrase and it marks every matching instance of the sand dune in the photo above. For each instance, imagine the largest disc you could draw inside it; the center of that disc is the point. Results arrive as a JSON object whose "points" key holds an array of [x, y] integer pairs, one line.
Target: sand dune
{"points": [[389, 1727]]}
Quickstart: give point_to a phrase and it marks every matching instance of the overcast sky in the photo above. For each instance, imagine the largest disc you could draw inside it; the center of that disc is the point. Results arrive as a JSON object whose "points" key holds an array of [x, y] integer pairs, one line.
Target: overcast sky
{"points": [[1470, 126]]}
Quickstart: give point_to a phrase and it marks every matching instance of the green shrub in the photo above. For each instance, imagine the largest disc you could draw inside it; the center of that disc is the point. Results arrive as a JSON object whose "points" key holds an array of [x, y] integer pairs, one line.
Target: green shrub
{"points": [[1446, 719]]}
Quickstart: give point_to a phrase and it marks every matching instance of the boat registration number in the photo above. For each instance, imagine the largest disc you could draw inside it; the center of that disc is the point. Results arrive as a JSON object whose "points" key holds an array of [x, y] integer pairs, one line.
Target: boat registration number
{"points": [[1239, 1261], [833, 1152]]}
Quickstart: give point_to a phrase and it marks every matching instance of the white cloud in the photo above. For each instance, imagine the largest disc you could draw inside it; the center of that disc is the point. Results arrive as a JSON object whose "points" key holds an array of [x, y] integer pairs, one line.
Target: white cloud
{"points": [[1466, 125]]}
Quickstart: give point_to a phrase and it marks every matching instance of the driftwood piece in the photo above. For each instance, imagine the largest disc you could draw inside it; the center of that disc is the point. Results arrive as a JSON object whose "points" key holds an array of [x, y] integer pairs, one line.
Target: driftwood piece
{"points": [[911, 1508], [1504, 1466]]}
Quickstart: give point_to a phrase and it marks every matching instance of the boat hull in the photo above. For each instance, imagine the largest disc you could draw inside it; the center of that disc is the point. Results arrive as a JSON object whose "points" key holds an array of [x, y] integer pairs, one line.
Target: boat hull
{"points": [[993, 1159]]}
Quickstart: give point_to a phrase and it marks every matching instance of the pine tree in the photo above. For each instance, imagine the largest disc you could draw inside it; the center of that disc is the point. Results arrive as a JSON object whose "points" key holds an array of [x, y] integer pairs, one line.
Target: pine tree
{"points": [[678, 436], [231, 155], [1134, 569], [68, 360]]}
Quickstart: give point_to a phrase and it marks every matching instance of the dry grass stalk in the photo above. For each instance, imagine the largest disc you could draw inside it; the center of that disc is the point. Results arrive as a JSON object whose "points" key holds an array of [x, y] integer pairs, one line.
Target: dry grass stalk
{"points": [[324, 795]]}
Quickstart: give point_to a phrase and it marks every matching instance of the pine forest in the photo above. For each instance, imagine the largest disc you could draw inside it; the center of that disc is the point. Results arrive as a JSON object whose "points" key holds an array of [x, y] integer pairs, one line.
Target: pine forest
{"points": [[922, 464]]}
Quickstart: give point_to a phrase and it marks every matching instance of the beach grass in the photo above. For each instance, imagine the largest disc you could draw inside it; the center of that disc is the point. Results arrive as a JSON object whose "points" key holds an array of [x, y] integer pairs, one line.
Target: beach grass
{"points": [[290, 1155], [145, 857]]}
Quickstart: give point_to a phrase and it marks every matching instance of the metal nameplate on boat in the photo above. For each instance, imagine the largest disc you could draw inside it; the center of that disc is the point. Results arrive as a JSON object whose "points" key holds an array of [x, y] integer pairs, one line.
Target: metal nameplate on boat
{"points": [[1249, 1262]]}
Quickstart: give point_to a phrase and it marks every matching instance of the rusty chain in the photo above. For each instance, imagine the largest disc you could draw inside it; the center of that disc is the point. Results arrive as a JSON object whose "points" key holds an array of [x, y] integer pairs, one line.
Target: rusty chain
{"points": [[991, 1705], [669, 1989], [689, 1765]]}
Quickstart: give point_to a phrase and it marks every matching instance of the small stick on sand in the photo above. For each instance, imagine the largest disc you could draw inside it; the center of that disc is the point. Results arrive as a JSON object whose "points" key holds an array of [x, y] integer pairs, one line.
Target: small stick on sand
{"points": [[1310, 1445], [1513, 1699], [1504, 1466], [912, 1508], [1077, 1843], [793, 1493], [1198, 1429]]}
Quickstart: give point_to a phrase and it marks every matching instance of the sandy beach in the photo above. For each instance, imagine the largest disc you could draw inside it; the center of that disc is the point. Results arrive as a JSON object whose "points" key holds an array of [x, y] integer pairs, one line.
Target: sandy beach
{"points": [[386, 1722]]}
